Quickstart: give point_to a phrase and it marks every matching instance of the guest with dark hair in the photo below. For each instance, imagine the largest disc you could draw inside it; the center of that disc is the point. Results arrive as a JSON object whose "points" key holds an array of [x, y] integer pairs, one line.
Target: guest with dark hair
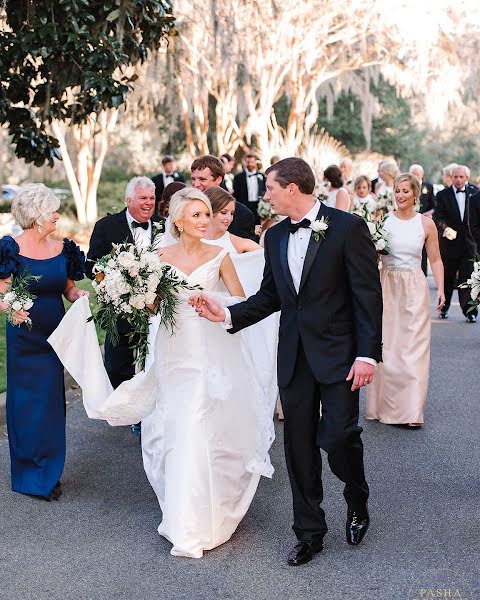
{"points": [[338, 197], [249, 185], [208, 171], [35, 377], [228, 164], [168, 175], [166, 197]]}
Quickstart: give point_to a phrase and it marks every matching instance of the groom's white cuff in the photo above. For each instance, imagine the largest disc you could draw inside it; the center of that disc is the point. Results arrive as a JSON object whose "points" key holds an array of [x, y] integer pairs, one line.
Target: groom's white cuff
{"points": [[227, 324], [370, 361]]}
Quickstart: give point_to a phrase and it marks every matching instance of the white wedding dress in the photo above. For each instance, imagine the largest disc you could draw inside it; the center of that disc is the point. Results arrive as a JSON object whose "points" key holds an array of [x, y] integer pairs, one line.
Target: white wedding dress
{"points": [[207, 417]]}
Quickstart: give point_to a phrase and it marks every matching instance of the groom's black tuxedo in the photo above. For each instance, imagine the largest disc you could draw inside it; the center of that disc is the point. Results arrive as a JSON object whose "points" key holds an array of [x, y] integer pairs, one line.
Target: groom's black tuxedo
{"points": [[335, 317], [114, 229]]}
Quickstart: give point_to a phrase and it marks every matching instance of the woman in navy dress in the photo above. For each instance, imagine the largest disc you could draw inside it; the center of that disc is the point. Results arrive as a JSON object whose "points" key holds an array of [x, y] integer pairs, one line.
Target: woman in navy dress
{"points": [[35, 383]]}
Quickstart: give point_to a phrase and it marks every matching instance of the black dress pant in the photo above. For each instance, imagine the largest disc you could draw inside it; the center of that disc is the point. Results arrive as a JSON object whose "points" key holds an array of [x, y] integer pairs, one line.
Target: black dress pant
{"points": [[337, 432], [464, 266], [118, 361]]}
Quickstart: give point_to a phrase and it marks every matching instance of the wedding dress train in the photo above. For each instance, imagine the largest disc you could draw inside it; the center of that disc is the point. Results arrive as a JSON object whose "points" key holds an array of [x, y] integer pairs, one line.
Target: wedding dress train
{"points": [[207, 420]]}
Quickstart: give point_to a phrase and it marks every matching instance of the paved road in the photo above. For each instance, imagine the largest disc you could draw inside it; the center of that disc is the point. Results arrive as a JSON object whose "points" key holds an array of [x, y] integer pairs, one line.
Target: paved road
{"points": [[100, 540]]}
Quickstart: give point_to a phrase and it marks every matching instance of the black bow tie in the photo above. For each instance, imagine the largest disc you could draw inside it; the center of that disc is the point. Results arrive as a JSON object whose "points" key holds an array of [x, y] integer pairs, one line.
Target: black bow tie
{"points": [[136, 224], [252, 175], [462, 190], [294, 227]]}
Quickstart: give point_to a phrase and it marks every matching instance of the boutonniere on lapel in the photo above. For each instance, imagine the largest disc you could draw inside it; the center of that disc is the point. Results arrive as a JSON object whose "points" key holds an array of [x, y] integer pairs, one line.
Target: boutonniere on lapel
{"points": [[158, 229], [424, 190], [319, 228]]}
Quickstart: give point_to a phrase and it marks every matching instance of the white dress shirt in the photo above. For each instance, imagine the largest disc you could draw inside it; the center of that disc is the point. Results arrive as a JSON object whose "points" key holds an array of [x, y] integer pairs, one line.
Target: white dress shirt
{"points": [[252, 186], [296, 252], [460, 196], [142, 237], [167, 179]]}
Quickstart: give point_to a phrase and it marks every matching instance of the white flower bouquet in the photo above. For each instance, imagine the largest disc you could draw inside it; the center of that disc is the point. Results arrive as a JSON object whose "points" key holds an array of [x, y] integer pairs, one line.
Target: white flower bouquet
{"points": [[19, 297], [474, 284], [265, 210], [378, 233], [131, 283], [386, 203], [321, 191]]}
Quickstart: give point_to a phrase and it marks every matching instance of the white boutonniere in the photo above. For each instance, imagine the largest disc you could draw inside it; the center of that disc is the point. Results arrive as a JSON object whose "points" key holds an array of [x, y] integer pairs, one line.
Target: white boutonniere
{"points": [[319, 228], [158, 229], [424, 190]]}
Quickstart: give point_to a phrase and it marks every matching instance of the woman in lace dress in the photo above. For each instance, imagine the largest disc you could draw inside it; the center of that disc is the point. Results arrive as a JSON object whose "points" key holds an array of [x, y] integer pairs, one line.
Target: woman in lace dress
{"points": [[35, 382], [399, 390]]}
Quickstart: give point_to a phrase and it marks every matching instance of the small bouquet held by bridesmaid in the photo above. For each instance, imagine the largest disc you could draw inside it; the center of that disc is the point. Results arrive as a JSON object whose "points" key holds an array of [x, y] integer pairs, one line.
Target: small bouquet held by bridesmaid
{"points": [[474, 284], [378, 233], [131, 283], [19, 297], [386, 203], [265, 210]]}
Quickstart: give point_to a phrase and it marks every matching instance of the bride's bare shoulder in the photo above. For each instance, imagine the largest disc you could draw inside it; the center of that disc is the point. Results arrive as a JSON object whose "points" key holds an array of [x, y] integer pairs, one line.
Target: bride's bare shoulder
{"points": [[167, 250]]}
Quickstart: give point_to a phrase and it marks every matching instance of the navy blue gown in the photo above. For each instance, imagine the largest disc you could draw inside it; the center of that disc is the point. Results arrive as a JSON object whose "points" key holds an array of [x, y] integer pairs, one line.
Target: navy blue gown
{"points": [[35, 382]]}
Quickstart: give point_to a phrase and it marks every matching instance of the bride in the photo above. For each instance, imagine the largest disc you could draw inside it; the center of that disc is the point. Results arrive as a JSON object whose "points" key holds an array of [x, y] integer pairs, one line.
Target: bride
{"points": [[207, 419]]}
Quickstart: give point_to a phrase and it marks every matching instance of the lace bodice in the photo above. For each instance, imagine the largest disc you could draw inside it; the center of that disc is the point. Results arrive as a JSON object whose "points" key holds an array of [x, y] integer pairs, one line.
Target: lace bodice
{"points": [[406, 240]]}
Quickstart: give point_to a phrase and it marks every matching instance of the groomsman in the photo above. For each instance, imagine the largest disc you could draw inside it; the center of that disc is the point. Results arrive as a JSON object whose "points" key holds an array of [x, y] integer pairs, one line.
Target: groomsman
{"points": [[208, 171], [228, 164], [135, 223], [427, 200], [249, 185], [457, 245], [168, 175]]}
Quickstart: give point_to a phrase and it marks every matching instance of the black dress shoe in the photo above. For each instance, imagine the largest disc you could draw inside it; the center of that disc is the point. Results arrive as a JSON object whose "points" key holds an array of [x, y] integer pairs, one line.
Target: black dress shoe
{"points": [[471, 319], [357, 525], [444, 314], [303, 552]]}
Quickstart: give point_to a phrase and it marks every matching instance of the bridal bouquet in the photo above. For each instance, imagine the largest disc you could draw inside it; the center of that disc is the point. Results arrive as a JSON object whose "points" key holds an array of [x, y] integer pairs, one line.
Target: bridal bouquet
{"points": [[474, 284], [386, 203], [265, 210], [132, 284], [19, 297], [378, 233]]}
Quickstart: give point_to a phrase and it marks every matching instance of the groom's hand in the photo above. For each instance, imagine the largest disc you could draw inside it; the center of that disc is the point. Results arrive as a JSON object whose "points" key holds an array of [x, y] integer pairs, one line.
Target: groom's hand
{"points": [[207, 308], [362, 374]]}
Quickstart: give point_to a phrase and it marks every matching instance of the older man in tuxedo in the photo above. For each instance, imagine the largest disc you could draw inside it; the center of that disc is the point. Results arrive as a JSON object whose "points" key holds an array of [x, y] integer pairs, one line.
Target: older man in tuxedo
{"points": [[321, 272], [136, 223], [457, 245]]}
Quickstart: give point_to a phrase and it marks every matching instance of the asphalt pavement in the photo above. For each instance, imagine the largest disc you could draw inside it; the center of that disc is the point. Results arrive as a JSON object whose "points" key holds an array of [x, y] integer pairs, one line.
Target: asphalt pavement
{"points": [[100, 541]]}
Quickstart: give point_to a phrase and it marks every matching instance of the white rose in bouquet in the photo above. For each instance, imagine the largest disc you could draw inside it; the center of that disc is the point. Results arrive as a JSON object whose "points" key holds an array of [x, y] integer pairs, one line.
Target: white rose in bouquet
{"points": [[371, 227], [16, 305], [27, 305], [380, 245]]}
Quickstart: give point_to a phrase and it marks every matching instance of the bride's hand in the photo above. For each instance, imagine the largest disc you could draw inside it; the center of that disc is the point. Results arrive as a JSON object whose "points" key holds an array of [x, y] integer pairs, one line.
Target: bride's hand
{"points": [[207, 308]]}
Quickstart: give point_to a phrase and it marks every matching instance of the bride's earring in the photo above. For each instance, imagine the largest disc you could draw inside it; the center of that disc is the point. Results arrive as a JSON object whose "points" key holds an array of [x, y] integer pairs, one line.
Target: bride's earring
{"points": [[180, 229]]}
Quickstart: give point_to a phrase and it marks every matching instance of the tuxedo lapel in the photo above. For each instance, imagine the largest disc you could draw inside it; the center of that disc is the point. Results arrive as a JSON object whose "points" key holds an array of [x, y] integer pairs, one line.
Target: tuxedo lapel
{"points": [[312, 250], [124, 232], [455, 203], [284, 258]]}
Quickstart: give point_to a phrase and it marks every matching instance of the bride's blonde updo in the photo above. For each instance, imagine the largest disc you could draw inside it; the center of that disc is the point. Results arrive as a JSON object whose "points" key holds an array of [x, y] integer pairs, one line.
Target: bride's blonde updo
{"points": [[178, 203]]}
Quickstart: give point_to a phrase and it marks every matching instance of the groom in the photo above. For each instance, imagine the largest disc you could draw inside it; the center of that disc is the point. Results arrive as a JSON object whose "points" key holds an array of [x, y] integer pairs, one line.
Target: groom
{"points": [[324, 279]]}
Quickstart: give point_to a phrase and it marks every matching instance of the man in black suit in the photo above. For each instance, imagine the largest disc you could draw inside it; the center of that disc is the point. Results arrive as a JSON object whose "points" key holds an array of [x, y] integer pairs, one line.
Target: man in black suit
{"points": [[427, 201], [457, 245], [474, 206], [135, 223], [328, 291], [168, 175], [207, 171], [249, 185]]}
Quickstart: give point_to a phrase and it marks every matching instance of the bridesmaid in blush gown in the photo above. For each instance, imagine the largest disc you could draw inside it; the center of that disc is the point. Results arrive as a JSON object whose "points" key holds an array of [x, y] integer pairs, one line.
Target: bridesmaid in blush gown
{"points": [[399, 390], [35, 387]]}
